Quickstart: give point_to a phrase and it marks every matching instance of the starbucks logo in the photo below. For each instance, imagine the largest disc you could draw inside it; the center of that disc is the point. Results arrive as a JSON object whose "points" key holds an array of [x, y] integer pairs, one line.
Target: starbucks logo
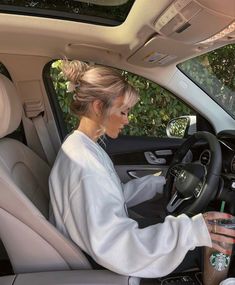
{"points": [[219, 261]]}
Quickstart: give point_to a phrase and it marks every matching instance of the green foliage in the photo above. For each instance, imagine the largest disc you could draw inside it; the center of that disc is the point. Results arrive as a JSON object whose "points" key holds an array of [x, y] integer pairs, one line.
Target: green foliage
{"points": [[215, 73], [149, 117], [64, 98], [155, 108]]}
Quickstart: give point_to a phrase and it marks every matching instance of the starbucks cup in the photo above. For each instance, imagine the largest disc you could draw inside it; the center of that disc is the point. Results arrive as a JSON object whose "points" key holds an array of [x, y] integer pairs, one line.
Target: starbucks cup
{"points": [[216, 264]]}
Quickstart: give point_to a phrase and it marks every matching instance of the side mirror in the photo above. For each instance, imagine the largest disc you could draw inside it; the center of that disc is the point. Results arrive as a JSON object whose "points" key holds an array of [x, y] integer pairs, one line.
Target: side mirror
{"points": [[181, 127]]}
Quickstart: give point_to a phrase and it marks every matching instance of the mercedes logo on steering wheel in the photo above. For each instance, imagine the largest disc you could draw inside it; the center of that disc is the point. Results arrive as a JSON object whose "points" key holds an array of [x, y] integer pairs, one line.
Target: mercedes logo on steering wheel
{"points": [[182, 176]]}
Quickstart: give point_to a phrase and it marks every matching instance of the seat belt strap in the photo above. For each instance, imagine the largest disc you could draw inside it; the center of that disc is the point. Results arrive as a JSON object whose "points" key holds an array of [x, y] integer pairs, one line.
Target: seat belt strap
{"points": [[44, 138], [34, 111]]}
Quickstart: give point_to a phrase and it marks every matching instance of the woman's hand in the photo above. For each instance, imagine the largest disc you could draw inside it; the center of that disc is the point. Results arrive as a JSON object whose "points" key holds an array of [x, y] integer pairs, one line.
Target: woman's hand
{"points": [[222, 238]]}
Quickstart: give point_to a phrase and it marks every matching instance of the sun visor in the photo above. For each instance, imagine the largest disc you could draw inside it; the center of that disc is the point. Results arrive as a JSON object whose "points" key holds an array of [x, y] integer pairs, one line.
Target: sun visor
{"points": [[156, 52], [92, 53]]}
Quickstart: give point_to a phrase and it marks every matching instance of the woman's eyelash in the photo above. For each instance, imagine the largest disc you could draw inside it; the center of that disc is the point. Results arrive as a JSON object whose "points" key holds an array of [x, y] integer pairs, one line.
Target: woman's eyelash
{"points": [[123, 113]]}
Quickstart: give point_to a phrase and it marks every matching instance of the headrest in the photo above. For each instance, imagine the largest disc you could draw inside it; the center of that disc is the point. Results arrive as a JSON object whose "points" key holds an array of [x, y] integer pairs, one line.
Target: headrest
{"points": [[10, 107]]}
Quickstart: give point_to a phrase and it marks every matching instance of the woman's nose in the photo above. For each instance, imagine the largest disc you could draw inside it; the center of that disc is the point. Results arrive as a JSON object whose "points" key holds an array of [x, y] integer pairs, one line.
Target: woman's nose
{"points": [[126, 120]]}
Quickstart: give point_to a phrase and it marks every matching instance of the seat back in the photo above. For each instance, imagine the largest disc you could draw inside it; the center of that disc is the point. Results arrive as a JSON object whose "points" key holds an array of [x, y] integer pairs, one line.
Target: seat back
{"points": [[32, 242]]}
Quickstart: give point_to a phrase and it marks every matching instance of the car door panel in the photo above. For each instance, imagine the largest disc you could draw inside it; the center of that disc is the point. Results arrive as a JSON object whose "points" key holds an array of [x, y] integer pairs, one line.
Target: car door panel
{"points": [[139, 156], [128, 172], [130, 155]]}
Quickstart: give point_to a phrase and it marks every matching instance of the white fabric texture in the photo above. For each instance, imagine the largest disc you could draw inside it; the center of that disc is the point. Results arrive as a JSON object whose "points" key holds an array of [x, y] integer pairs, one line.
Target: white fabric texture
{"points": [[89, 204]]}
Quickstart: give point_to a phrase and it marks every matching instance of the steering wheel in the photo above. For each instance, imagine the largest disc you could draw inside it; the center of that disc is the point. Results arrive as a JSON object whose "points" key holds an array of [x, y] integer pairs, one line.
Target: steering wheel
{"points": [[195, 184]]}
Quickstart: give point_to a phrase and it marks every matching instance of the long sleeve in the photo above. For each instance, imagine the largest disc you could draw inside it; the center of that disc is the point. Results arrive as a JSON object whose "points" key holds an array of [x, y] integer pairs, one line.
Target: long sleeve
{"points": [[98, 223], [89, 205], [141, 189]]}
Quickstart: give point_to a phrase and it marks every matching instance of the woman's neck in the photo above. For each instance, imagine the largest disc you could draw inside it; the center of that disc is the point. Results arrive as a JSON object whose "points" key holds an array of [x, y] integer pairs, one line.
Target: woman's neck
{"points": [[90, 128]]}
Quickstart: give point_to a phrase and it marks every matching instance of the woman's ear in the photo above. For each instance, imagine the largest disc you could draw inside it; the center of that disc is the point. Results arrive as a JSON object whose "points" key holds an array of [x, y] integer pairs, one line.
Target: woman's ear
{"points": [[97, 106]]}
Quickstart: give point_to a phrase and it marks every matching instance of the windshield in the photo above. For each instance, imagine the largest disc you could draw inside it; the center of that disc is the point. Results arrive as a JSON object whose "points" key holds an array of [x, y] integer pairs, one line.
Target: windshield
{"points": [[214, 72], [110, 13]]}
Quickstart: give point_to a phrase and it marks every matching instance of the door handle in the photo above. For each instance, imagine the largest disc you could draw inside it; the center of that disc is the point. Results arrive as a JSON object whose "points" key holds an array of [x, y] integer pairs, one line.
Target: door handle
{"points": [[152, 159], [164, 152], [132, 174]]}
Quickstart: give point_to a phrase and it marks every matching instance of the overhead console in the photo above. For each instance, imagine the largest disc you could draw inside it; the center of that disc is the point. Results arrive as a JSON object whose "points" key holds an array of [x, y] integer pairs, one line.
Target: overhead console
{"points": [[184, 22]]}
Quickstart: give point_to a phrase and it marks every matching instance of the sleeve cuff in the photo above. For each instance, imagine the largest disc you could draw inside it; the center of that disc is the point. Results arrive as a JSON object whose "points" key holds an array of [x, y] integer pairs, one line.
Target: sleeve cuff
{"points": [[201, 234]]}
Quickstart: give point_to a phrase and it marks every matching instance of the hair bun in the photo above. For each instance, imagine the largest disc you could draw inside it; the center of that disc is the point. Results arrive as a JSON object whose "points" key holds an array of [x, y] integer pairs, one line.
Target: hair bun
{"points": [[74, 70]]}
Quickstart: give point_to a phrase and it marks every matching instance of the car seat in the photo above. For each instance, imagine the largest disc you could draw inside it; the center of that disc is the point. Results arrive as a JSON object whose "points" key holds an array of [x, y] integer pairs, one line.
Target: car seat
{"points": [[33, 243]]}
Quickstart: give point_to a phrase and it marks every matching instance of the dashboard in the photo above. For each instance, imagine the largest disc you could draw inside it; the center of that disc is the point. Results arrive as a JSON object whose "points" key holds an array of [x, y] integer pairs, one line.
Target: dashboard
{"points": [[228, 155]]}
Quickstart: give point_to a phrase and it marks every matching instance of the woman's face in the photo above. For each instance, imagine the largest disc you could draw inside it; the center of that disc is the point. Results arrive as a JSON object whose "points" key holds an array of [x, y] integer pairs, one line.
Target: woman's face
{"points": [[117, 118]]}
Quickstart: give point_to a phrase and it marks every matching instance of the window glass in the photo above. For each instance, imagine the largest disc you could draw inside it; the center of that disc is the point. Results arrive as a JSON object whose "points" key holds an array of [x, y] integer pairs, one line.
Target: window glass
{"points": [[156, 107], [111, 12], [4, 71], [149, 117], [214, 72]]}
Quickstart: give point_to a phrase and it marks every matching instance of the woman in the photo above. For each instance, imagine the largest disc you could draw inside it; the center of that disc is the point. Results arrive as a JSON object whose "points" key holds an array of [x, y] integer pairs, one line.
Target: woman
{"points": [[90, 202]]}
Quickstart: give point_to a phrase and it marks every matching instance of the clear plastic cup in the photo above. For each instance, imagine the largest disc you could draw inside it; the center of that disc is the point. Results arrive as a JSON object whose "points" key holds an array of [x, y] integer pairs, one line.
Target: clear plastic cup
{"points": [[229, 281], [216, 264]]}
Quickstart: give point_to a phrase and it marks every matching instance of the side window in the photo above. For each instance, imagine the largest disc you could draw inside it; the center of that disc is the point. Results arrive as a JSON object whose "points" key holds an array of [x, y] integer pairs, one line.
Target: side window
{"points": [[156, 108], [64, 98], [4, 71], [214, 73], [151, 115]]}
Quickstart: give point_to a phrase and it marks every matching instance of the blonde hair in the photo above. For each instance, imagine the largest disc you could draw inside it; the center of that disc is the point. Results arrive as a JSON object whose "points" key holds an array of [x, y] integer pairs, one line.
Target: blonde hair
{"points": [[92, 82]]}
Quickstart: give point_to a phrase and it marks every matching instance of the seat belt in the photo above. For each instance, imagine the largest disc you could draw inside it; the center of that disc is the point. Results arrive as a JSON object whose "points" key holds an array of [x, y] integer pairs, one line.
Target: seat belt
{"points": [[34, 111]]}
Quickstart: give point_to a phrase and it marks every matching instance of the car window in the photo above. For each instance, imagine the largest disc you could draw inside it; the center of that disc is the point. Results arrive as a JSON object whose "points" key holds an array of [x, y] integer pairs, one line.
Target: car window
{"points": [[214, 72], [156, 107], [108, 13], [4, 71]]}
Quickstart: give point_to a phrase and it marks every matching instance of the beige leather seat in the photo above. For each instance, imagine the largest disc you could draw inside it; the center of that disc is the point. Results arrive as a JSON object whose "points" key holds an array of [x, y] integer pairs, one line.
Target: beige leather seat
{"points": [[32, 242]]}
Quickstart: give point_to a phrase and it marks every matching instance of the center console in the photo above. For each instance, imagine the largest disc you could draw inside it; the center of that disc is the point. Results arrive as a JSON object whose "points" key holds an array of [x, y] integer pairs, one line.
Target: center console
{"points": [[75, 277], [186, 278]]}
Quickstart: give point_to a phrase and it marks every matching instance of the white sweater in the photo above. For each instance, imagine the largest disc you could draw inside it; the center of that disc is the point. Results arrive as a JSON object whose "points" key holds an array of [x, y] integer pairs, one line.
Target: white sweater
{"points": [[89, 204]]}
